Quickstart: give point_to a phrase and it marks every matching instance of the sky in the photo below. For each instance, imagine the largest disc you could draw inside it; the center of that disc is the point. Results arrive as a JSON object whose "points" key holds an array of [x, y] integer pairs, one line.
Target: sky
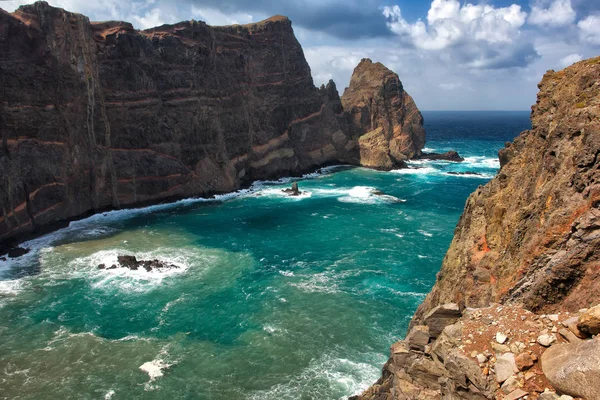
{"points": [[449, 54]]}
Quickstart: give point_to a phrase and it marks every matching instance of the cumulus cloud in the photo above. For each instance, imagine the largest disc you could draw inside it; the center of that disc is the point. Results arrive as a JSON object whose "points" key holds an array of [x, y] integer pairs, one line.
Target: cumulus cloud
{"points": [[479, 36], [556, 13], [590, 29], [570, 59]]}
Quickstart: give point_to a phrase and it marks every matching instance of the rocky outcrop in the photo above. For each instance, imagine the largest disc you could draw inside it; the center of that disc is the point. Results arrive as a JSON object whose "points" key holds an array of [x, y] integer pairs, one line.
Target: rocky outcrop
{"points": [[530, 236], [98, 115], [490, 353], [447, 156], [133, 264], [385, 122], [528, 240]]}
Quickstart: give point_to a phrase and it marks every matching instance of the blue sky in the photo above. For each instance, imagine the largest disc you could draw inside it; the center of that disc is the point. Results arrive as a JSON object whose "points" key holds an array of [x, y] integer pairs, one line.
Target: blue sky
{"points": [[450, 54]]}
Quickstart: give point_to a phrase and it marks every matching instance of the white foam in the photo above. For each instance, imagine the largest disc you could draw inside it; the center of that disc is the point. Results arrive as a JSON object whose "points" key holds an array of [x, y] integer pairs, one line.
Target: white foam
{"points": [[425, 233], [286, 273], [416, 171], [125, 279], [482, 162], [325, 377], [155, 368], [278, 192], [10, 288], [366, 195], [109, 394]]}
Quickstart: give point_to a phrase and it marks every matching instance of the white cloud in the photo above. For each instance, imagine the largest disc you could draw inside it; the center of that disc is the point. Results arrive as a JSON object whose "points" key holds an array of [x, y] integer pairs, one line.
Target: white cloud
{"points": [[570, 59], [589, 29], [449, 23], [477, 36], [213, 16], [150, 19], [558, 13]]}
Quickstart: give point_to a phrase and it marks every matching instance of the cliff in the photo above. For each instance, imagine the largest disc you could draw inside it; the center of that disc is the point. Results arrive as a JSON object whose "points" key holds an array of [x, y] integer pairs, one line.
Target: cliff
{"points": [[527, 242], [529, 236], [383, 117], [98, 115]]}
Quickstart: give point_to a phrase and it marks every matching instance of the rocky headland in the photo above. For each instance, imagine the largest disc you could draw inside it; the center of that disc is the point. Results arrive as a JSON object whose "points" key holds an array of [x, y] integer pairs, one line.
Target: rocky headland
{"points": [[509, 316], [99, 115]]}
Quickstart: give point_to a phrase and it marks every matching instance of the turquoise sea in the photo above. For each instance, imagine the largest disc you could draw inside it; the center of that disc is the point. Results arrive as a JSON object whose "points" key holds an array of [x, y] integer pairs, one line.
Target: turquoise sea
{"points": [[275, 298]]}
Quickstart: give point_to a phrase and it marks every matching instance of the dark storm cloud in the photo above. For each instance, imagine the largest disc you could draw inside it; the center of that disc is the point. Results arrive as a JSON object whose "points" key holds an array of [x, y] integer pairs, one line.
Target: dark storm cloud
{"points": [[349, 19]]}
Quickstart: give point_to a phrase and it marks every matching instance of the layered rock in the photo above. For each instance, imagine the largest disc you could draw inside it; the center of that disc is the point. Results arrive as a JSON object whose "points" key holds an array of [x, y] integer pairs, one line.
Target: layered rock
{"points": [[385, 121], [100, 115]]}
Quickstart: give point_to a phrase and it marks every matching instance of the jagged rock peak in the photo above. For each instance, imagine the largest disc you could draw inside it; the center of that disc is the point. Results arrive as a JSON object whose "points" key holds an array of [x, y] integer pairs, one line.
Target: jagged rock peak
{"points": [[385, 117]]}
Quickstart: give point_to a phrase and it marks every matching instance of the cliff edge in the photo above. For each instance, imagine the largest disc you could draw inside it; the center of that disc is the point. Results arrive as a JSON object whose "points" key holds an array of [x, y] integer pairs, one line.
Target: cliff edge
{"points": [[526, 244]]}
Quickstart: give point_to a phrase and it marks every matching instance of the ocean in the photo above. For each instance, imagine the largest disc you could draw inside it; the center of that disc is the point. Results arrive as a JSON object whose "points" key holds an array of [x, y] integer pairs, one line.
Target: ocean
{"points": [[275, 297]]}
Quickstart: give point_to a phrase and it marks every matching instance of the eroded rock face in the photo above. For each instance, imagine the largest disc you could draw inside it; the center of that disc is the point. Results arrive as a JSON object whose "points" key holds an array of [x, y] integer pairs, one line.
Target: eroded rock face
{"points": [[99, 115], [384, 118], [533, 231]]}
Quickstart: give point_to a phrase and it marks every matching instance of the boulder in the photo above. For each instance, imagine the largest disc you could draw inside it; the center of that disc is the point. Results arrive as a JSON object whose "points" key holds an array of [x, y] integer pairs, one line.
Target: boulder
{"points": [[418, 337], [524, 361], [546, 339], [505, 367], [440, 317], [574, 368], [510, 385], [16, 252], [128, 262], [589, 321]]}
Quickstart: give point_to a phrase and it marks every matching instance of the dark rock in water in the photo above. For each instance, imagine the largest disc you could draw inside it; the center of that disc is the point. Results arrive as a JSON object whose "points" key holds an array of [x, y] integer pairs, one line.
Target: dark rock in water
{"points": [[447, 156], [293, 191], [132, 263], [2, 258], [464, 173], [17, 252], [128, 262]]}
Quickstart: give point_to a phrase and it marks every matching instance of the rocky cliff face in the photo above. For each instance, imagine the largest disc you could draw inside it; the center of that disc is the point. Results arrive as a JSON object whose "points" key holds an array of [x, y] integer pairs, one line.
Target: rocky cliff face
{"points": [[530, 236], [384, 118], [99, 115], [527, 241]]}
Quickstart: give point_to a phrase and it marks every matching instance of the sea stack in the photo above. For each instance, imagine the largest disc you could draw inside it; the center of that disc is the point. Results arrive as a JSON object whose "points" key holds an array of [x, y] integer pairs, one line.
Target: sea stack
{"points": [[384, 116]]}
